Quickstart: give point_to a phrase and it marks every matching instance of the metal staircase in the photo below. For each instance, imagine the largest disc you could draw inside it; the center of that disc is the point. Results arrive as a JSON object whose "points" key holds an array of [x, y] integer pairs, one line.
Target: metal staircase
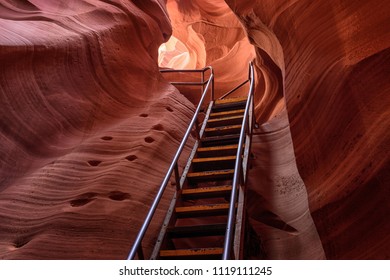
{"points": [[206, 217]]}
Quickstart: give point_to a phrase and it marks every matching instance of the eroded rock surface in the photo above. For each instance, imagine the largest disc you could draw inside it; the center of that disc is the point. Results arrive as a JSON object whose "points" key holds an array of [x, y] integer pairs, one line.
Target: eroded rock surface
{"points": [[334, 60], [88, 126]]}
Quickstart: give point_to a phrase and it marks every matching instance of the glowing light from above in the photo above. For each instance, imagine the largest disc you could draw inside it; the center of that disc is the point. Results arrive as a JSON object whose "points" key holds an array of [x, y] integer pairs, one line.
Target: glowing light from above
{"points": [[173, 54]]}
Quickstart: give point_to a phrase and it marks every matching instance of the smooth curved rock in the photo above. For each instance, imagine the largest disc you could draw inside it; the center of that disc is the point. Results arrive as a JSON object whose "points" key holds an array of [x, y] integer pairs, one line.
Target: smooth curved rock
{"points": [[212, 36], [337, 61], [85, 115]]}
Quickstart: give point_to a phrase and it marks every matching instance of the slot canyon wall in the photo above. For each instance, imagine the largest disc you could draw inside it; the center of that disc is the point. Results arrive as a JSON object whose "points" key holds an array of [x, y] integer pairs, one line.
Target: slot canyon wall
{"points": [[85, 115], [335, 69], [86, 125]]}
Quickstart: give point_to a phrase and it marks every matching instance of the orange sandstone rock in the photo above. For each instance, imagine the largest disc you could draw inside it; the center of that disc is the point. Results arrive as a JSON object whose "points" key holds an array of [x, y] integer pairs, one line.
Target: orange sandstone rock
{"points": [[88, 126]]}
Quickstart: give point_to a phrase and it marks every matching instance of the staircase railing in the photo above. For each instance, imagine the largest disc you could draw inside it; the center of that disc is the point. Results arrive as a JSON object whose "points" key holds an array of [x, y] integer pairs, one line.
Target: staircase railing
{"points": [[240, 85], [174, 167], [202, 83], [239, 177]]}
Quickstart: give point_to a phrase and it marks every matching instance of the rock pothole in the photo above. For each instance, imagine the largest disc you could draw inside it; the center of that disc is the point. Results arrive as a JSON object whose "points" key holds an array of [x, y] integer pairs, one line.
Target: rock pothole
{"points": [[131, 157], [94, 162], [118, 195], [22, 241], [158, 127], [83, 199], [149, 139]]}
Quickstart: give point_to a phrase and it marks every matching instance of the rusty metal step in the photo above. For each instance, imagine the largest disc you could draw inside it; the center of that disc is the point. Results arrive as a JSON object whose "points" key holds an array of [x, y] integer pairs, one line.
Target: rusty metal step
{"points": [[213, 175], [202, 210], [231, 103], [225, 121], [223, 130], [198, 253], [220, 140], [227, 113], [230, 100], [213, 163], [206, 192], [215, 151], [196, 231]]}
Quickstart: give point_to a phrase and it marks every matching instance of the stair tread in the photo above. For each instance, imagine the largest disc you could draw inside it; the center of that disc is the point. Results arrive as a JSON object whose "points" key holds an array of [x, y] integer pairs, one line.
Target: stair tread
{"points": [[210, 173], [212, 159], [217, 148], [220, 137], [227, 112], [191, 252], [225, 119], [196, 227], [224, 105], [202, 208], [197, 230], [225, 127], [230, 100], [223, 130], [207, 190]]}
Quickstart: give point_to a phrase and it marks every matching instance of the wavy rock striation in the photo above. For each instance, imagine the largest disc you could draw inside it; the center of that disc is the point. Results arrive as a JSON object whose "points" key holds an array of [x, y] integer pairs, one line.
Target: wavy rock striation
{"points": [[332, 60], [208, 33], [88, 126], [84, 117]]}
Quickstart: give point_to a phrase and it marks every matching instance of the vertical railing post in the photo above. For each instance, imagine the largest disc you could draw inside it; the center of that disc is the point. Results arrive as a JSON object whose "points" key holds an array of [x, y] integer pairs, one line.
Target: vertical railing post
{"points": [[202, 80], [250, 70], [177, 177], [212, 87]]}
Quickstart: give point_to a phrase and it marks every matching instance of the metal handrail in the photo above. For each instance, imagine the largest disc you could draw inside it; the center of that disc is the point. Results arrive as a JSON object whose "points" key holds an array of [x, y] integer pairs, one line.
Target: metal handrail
{"points": [[174, 164], [202, 83], [164, 70], [237, 169], [189, 83], [233, 90]]}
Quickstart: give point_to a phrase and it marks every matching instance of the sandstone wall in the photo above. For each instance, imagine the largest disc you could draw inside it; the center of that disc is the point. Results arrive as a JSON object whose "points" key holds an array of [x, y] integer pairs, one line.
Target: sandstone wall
{"points": [[335, 65], [87, 125]]}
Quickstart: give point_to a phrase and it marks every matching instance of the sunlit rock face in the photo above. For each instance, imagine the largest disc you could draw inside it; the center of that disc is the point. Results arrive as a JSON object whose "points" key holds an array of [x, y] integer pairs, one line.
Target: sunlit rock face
{"points": [[89, 126], [207, 33]]}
